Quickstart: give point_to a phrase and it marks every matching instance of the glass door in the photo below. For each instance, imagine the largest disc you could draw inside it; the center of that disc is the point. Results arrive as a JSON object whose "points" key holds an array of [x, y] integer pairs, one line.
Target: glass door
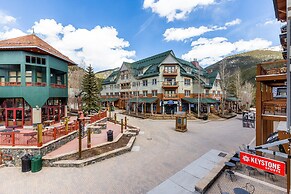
{"points": [[14, 116]]}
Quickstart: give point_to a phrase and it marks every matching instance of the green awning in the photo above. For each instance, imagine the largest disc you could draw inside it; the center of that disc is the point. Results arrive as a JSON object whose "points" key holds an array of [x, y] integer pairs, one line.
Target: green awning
{"points": [[202, 100], [143, 100], [232, 99], [109, 99]]}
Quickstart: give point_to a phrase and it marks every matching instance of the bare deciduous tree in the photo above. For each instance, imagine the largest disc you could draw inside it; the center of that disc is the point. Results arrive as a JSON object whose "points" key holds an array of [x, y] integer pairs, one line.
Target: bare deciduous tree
{"points": [[224, 83]]}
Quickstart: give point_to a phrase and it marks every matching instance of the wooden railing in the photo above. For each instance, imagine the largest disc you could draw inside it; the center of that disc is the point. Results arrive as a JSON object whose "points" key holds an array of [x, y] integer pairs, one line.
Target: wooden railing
{"points": [[171, 84], [276, 107], [272, 68], [170, 95]]}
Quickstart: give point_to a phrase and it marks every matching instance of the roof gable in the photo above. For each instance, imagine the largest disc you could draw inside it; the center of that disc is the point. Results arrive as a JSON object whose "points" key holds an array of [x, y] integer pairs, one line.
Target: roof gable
{"points": [[32, 43]]}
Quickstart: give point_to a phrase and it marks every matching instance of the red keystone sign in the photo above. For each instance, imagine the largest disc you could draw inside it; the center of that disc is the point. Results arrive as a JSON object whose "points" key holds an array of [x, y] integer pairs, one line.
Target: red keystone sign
{"points": [[265, 164]]}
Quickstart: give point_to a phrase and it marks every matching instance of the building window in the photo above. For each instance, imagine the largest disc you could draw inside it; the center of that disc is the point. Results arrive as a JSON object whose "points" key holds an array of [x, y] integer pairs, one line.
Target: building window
{"points": [[187, 92], [140, 72], [59, 80], [170, 69], [35, 60], [14, 76], [39, 77], [28, 76], [2, 81], [154, 81], [27, 59], [187, 82], [218, 92], [111, 87], [154, 92], [188, 69], [213, 92], [133, 84], [207, 92], [145, 82], [116, 94], [107, 94], [145, 93]]}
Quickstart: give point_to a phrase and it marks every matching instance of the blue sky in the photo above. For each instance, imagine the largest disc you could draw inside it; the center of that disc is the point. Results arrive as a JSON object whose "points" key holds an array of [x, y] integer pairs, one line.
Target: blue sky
{"points": [[105, 33]]}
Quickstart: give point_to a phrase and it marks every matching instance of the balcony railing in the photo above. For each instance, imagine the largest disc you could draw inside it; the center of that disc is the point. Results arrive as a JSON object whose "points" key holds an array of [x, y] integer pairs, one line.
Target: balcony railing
{"points": [[171, 84], [58, 86], [170, 95], [125, 87], [278, 67], [10, 83], [170, 72], [38, 84]]}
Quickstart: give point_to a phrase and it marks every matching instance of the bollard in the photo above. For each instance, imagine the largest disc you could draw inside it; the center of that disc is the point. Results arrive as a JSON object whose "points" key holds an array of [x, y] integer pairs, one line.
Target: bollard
{"points": [[66, 125], [13, 138], [121, 125], [80, 138], [39, 135], [125, 123], [55, 133], [89, 138], [114, 118]]}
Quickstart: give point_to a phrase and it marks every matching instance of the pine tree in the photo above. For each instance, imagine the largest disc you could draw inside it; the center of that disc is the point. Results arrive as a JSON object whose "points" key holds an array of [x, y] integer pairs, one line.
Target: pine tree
{"points": [[91, 91]]}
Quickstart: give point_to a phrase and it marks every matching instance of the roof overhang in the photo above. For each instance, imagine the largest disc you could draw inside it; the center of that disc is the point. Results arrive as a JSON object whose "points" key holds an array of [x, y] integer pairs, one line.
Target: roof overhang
{"points": [[280, 9], [36, 49]]}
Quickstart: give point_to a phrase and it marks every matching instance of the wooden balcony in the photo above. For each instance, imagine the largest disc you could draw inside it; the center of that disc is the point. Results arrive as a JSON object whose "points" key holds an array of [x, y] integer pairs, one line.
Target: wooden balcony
{"points": [[272, 71], [58, 86], [10, 84], [173, 84], [170, 72], [170, 96], [38, 84]]}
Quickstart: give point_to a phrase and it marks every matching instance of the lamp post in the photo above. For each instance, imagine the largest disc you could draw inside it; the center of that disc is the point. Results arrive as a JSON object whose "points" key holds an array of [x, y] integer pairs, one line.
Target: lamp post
{"points": [[81, 125]]}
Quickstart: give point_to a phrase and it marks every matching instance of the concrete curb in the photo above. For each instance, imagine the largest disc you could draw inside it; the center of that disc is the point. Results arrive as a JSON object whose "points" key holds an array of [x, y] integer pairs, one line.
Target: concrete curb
{"points": [[92, 160]]}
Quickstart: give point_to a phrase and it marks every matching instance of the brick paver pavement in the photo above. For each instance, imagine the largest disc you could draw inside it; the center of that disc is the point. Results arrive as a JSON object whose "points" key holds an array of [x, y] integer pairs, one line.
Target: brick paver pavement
{"points": [[163, 152]]}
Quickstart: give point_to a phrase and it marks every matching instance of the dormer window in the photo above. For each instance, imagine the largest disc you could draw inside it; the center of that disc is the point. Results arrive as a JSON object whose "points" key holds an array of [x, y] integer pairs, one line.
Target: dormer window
{"points": [[140, 72], [188, 70]]}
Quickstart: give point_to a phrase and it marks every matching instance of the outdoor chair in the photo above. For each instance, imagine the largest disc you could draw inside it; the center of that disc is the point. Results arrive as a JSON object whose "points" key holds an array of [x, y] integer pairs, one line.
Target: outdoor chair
{"points": [[231, 175], [250, 188], [220, 190]]}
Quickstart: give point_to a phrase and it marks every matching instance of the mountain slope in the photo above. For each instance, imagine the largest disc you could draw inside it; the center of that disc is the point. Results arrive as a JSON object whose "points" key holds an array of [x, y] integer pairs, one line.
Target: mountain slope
{"points": [[247, 62]]}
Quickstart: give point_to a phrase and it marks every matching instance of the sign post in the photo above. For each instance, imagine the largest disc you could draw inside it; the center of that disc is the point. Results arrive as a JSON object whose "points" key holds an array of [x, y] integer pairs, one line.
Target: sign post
{"points": [[265, 164]]}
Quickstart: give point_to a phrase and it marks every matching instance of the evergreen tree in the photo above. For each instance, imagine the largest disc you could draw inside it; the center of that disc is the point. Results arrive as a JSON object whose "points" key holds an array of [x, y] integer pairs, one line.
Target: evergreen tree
{"points": [[91, 89]]}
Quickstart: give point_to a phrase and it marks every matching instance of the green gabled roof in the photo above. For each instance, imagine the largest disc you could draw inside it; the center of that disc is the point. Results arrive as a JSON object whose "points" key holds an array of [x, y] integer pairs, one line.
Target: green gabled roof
{"points": [[153, 60], [109, 80], [144, 100], [212, 76], [201, 100]]}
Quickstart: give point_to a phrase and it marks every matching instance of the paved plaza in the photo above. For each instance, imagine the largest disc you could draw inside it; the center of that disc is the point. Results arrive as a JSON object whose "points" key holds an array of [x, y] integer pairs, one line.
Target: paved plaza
{"points": [[158, 153]]}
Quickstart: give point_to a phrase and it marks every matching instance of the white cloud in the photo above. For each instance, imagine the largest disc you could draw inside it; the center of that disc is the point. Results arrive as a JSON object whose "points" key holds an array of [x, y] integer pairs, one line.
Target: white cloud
{"points": [[11, 33], [233, 22], [181, 34], [210, 51], [174, 9], [101, 47], [6, 19]]}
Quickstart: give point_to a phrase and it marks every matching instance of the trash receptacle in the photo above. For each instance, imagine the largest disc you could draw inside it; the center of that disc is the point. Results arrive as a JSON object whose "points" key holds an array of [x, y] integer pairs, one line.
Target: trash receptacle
{"points": [[36, 163], [26, 163], [109, 135]]}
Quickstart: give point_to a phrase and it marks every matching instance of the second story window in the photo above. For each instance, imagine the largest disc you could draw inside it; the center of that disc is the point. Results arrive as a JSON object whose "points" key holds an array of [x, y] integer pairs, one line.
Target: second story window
{"points": [[111, 87], [206, 92], [14, 76], [145, 82], [187, 82], [154, 81], [170, 69], [28, 76], [218, 92], [187, 93], [145, 93], [213, 92], [154, 93]]}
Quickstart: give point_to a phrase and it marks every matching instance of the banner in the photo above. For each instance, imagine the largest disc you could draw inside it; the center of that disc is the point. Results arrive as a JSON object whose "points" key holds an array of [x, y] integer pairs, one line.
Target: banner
{"points": [[266, 164]]}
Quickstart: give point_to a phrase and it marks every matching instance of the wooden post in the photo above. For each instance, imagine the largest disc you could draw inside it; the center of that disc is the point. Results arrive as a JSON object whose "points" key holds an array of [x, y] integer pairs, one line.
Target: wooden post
{"points": [[39, 135], [13, 138], [66, 125], [89, 138], [55, 133], [125, 123], [121, 125], [114, 118], [80, 138]]}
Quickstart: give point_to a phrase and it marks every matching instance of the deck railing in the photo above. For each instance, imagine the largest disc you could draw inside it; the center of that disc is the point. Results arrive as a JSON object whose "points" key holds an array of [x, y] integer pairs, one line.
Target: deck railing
{"points": [[49, 133], [272, 68]]}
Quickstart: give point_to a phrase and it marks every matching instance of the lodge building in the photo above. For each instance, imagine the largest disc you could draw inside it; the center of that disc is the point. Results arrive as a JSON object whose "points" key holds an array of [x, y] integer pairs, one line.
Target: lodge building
{"points": [[163, 84], [33, 82]]}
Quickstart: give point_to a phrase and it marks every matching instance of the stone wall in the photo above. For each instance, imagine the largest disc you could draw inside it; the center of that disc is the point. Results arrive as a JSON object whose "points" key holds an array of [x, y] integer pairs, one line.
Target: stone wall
{"points": [[18, 151]]}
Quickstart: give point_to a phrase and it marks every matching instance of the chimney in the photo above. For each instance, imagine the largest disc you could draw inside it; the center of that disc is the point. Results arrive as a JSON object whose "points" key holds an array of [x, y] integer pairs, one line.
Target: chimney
{"points": [[195, 63]]}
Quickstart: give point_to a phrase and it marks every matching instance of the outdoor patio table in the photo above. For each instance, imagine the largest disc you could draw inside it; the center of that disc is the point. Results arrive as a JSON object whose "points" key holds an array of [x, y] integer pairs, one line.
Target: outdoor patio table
{"points": [[7, 134], [12, 127], [240, 191]]}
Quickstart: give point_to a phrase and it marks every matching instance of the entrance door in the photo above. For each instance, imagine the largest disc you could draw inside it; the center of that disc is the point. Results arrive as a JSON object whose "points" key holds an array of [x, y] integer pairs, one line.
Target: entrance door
{"points": [[14, 116]]}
